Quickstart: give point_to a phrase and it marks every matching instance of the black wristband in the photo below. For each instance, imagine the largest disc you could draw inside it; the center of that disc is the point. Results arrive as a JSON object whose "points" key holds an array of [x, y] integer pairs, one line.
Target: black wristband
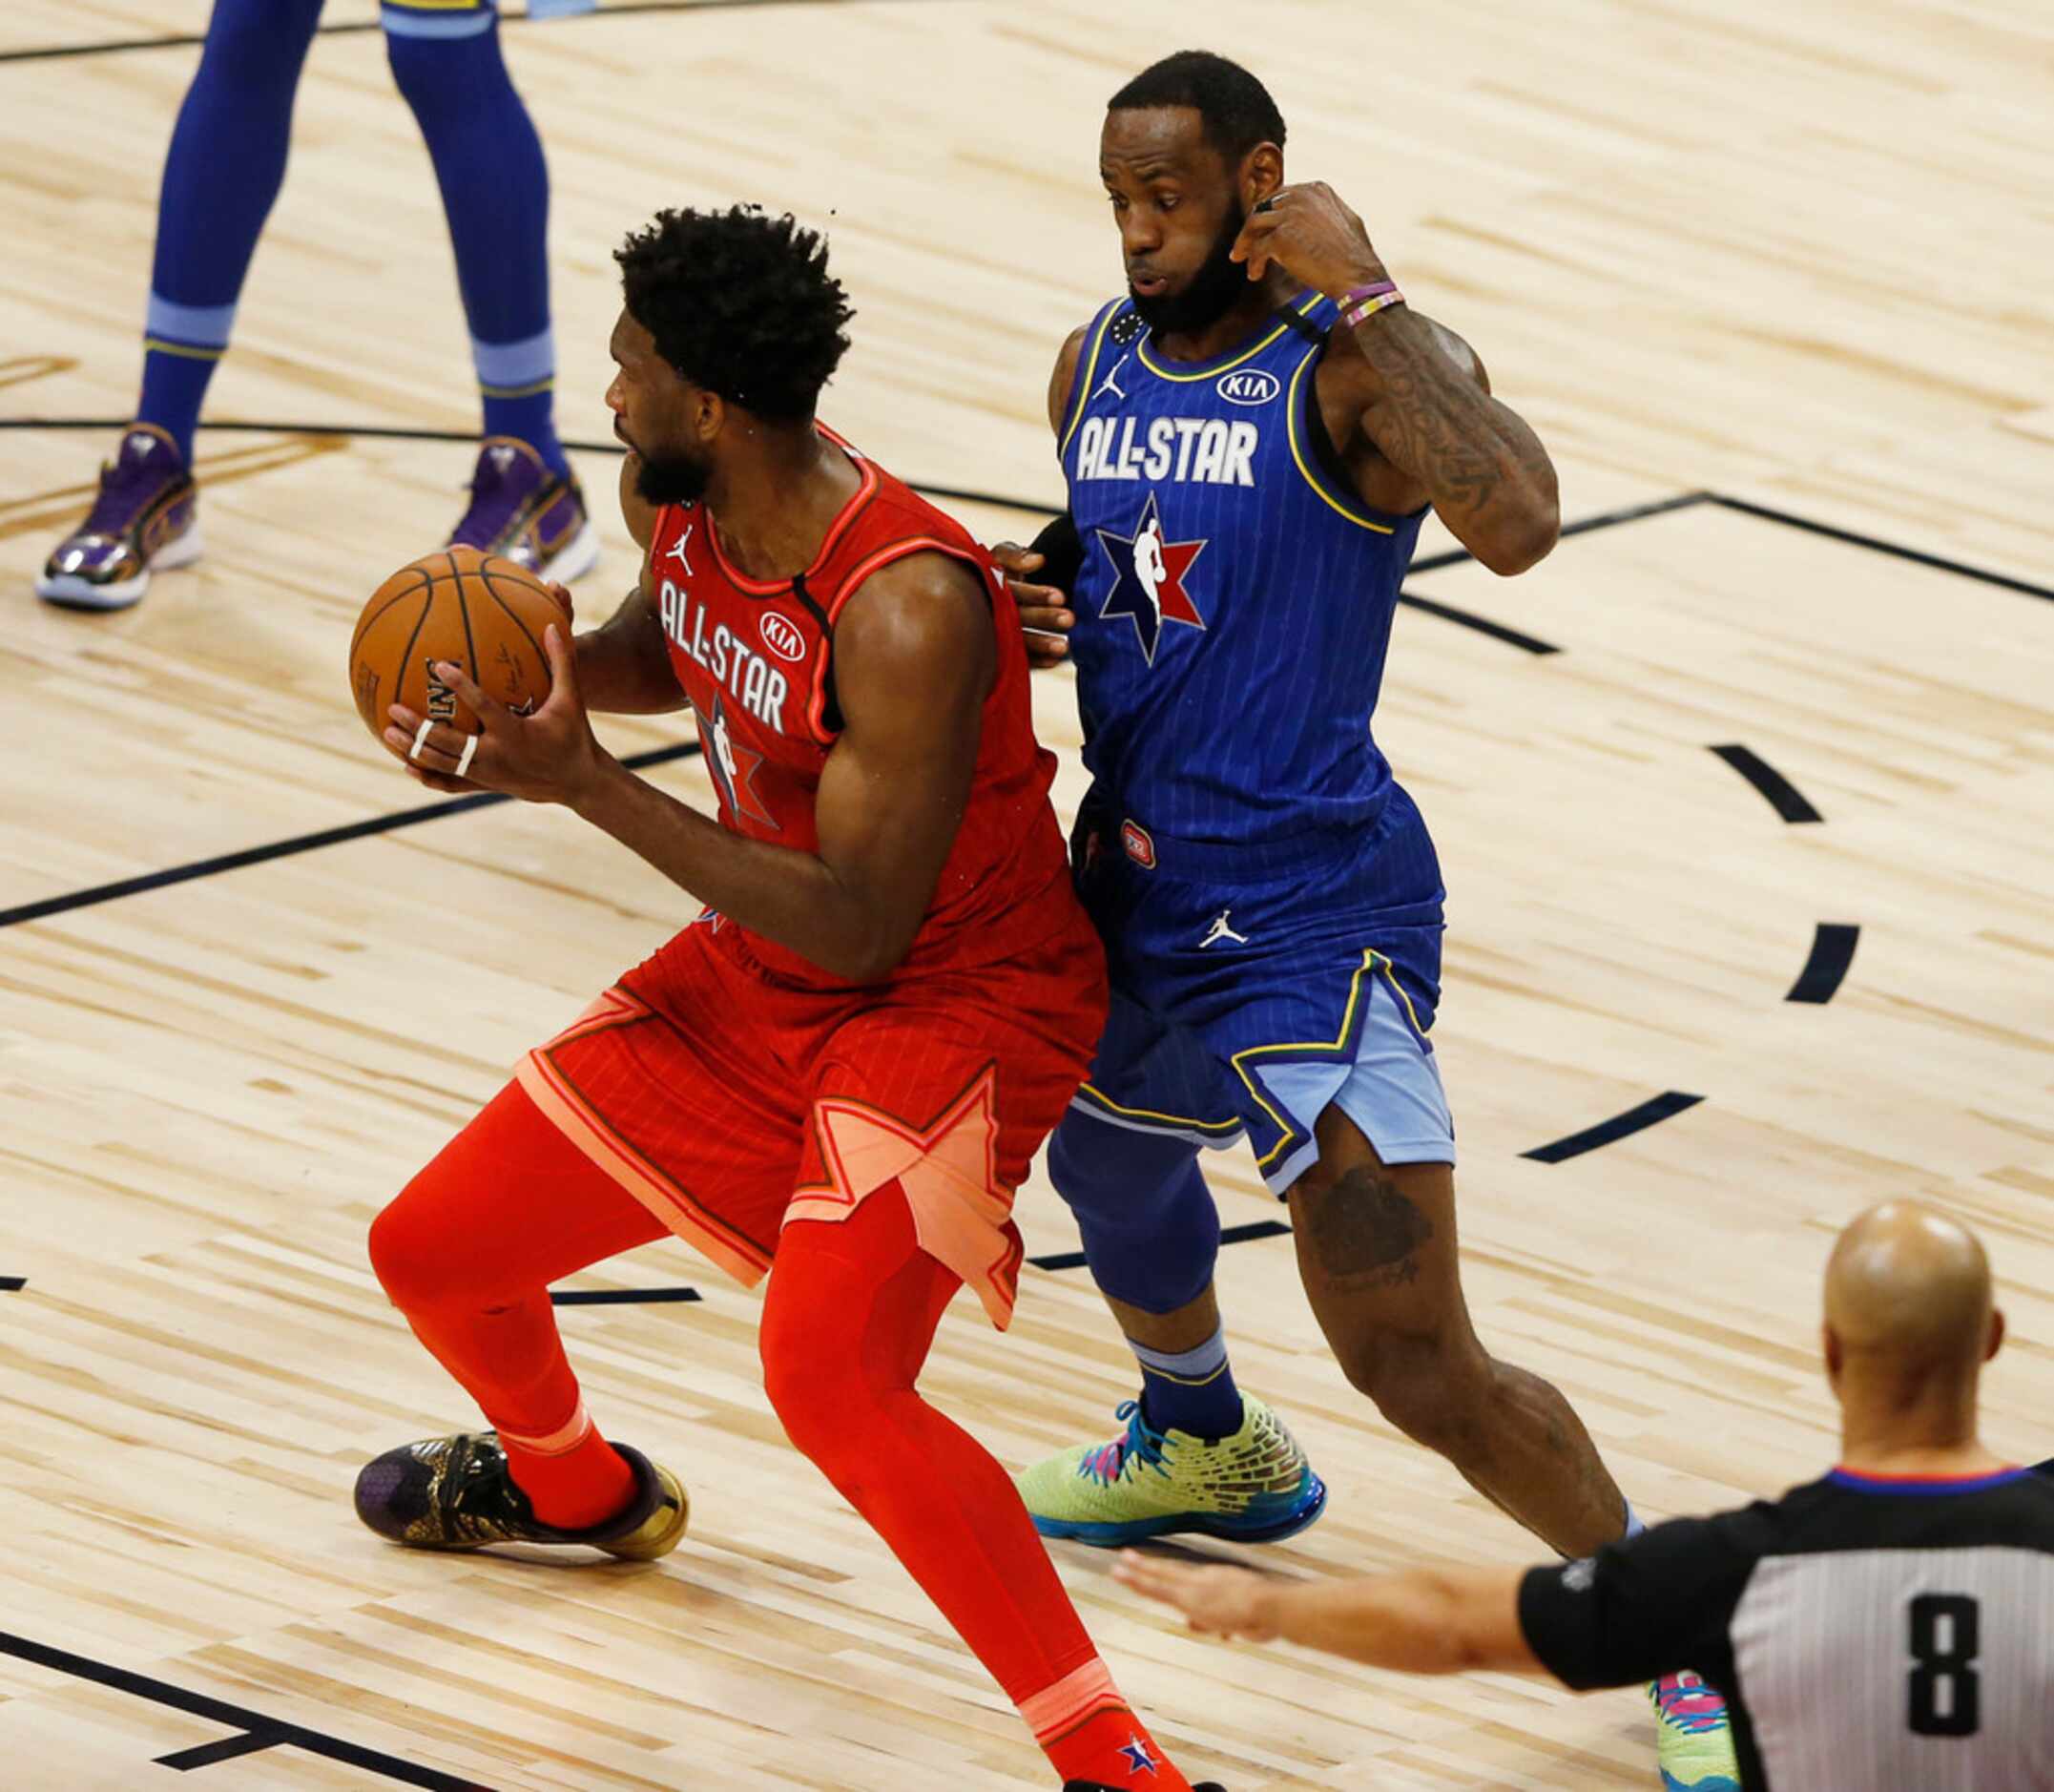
{"points": [[1062, 551]]}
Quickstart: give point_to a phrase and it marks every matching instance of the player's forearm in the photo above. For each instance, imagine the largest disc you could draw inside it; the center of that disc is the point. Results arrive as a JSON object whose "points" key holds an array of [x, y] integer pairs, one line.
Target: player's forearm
{"points": [[794, 898], [1423, 1621], [1482, 466], [624, 668]]}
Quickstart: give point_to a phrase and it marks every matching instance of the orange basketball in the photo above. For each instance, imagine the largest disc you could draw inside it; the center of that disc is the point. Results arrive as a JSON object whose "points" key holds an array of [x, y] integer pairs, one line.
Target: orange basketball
{"points": [[485, 612]]}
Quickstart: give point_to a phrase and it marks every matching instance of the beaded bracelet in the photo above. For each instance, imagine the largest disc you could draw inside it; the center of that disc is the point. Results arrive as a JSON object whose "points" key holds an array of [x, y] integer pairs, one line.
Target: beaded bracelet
{"points": [[1365, 301]]}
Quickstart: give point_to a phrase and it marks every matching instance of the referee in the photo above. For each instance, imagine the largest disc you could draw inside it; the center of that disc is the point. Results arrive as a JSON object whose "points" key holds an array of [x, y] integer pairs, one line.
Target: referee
{"points": [[1889, 1628]]}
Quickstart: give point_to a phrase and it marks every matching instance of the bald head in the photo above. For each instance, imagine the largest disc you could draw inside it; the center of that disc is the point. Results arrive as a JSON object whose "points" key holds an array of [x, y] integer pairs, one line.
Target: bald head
{"points": [[1909, 1289]]}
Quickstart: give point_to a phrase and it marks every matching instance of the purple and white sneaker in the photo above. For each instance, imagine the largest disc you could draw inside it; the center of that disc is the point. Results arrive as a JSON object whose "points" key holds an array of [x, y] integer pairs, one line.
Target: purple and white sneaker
{"points": [[145, 520], [523, 511]]}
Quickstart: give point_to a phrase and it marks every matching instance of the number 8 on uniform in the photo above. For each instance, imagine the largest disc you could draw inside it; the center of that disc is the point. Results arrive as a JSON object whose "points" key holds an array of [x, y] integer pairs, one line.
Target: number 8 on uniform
{"points": [[1945, 1695]]}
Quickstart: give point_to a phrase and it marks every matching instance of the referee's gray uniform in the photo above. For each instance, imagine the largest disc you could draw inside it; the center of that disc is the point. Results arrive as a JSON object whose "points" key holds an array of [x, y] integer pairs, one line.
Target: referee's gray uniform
{"points": [[1869, 1635]]}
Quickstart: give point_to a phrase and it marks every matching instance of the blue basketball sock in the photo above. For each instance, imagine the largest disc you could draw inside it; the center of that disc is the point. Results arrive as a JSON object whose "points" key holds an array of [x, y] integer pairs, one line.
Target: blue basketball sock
{"points": [[1190, 1391], [495, 191], [223, 170]]}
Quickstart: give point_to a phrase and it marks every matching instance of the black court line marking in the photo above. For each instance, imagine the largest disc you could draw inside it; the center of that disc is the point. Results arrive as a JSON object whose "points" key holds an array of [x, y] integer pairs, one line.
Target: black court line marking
{"points": [[228, 1748], [192, 41], [298, 843], [1041, 507], [246, 1723], [1784, 797], [1228, 1235], [1833, 953], [385, 432], [1582, 525], [11, 1284], [1876, 544], [1482, 625], [621, 1297], [1619, 1126]]}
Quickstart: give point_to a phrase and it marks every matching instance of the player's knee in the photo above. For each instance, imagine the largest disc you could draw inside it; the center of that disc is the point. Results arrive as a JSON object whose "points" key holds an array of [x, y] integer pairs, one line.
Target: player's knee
{"points": [[424, 70], [1431, 1386], [403, 1257], [253, 39], [417, 1260], [810, 1377]]}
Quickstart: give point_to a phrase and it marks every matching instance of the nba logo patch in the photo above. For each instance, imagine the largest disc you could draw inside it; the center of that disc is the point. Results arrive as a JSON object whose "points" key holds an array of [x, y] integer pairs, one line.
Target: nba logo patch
{"points": [[1140, 848]]}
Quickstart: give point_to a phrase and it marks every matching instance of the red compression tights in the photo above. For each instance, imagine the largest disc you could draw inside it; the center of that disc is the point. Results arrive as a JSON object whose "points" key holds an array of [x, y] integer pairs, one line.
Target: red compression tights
{"points": [[467, 1252]]}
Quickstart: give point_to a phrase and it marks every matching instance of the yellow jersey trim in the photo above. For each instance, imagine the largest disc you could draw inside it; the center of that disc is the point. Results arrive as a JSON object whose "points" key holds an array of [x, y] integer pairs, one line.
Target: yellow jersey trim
{"points": [[1304, 461], [1084, 374], [1372, 961], [1141, 348], [1225, 1128]]}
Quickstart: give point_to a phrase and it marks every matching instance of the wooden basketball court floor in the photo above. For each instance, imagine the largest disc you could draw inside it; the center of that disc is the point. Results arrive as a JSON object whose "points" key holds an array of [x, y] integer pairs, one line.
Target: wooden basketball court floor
{"points": [[1744, 797]]}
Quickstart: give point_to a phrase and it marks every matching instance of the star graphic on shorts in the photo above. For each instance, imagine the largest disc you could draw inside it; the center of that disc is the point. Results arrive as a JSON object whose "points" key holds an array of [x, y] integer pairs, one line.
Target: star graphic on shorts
{"points": [[948, 1172], [1138, 1758], [1147, 579], [732, 765]]}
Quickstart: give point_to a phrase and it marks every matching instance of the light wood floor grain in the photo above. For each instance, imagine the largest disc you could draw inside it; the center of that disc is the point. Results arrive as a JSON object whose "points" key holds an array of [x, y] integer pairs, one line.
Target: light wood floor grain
{"points": [[1795, 254]]}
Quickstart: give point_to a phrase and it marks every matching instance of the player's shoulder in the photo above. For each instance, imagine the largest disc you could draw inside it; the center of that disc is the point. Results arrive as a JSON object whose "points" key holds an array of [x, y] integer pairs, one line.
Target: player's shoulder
{"points": [[1344, 358], [1073, 361], [1848, 1511]]}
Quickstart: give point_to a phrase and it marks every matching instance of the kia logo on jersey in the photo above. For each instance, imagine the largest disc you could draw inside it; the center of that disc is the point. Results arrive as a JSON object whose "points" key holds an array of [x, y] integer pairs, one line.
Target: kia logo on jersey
{"points": [[1249, 386], [781, 635]]}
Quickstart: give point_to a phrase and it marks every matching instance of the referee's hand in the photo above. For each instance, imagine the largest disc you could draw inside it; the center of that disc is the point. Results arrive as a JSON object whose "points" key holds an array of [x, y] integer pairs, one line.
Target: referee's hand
{"points": [[1217, 1602]]}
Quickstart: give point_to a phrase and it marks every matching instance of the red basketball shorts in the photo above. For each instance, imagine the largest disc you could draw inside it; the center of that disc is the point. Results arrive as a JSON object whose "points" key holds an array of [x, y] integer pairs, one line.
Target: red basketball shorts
{"points": [[732, 1103]]}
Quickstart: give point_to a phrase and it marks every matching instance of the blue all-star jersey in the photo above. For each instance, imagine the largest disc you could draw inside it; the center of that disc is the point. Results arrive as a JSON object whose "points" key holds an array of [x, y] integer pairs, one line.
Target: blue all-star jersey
{"points": [[1236, 600]]}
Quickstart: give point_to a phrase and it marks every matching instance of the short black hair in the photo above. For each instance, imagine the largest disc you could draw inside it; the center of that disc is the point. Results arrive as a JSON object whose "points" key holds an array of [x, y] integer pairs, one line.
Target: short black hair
{"points": [[1237, 107], [740, 303]]}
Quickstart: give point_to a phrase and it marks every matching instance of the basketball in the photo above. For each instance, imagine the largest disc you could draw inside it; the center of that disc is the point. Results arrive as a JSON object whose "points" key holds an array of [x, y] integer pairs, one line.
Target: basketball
{"points": [[485, 612]]}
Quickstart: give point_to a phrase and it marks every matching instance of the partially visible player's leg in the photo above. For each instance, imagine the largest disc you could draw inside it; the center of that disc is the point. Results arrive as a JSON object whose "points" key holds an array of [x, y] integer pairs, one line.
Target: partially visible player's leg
{"points": [[1377, 1249], [495, 188], [466, 1252], [1198, 1453], [847, 1324], [225, 168]]}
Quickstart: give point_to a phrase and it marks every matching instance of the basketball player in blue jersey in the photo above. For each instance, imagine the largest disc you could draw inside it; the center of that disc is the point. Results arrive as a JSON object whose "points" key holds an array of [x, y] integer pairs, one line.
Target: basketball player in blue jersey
{"points": [[1251, 437], [225, 168]]}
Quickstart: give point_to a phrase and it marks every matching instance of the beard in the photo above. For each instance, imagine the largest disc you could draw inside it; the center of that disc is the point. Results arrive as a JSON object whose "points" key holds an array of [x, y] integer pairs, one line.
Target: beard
{"points": [[676, 479], [1209, 294]]}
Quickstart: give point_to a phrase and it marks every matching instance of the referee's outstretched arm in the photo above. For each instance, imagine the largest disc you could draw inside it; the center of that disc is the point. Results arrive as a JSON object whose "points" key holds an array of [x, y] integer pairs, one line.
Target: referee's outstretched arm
{"points": [[1890, 1623]]}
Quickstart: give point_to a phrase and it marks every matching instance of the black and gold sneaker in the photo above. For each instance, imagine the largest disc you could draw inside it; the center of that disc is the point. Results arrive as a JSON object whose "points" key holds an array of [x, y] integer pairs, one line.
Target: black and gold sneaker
{"points": [[457, 1494]]}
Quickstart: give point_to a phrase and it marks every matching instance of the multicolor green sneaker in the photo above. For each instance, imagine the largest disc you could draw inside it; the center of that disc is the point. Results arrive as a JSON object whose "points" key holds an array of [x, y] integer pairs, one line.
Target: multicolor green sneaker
{"points": [[1255, 1486], [1693, 1735]]}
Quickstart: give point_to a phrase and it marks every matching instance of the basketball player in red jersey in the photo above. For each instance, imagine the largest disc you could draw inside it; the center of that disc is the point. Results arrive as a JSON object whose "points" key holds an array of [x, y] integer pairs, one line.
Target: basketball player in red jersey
{"points": [[837, 1075]]}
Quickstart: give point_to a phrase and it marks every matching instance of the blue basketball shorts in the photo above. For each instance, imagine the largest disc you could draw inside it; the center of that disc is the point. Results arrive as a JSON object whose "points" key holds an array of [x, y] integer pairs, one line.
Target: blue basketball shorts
{"points": [[1253, 988]]}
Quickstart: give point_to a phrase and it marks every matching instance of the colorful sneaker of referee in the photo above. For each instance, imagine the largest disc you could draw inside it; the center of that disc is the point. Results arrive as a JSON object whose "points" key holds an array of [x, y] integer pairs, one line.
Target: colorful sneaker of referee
{"points": [[524, 510], [1695, 1736], [457, 1494], [145, 520], [1254, 1487]]}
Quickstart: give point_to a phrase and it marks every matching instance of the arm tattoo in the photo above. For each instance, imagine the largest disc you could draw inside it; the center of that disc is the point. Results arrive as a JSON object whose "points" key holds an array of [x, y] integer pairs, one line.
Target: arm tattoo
{"points": [[1365, 1231], [1481, 465]]}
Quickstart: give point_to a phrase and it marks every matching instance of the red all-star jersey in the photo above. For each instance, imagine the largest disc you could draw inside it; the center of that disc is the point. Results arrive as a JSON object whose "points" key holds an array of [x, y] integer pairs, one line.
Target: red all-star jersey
{"points": [[756, 659]]}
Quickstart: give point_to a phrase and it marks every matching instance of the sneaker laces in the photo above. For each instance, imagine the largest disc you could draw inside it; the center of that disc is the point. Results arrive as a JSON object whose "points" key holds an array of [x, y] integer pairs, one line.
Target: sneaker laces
{"points": [[1686, 1702], [1107, 1462], [129, 483]]}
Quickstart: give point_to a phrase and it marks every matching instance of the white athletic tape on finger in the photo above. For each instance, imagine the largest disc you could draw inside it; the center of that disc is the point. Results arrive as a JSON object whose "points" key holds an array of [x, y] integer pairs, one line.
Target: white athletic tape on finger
{"points": [[421, 739], [470, 747]]}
